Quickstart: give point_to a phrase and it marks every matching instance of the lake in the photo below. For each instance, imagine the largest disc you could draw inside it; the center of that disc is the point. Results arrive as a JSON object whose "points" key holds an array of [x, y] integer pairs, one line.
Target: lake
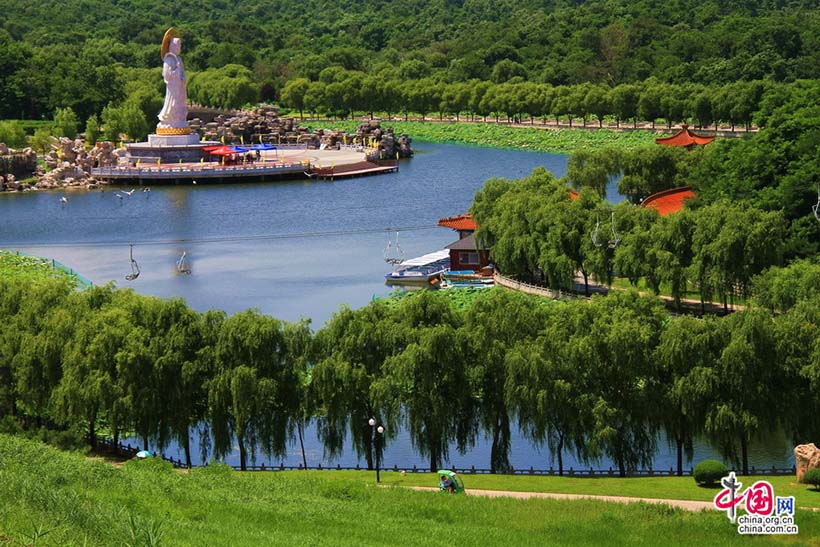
{"points": [[318, 244], [292, 250]]}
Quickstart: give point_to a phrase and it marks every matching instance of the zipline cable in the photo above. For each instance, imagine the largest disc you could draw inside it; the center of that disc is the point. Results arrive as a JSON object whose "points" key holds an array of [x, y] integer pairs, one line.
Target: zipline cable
{"points": [[219, 239]]}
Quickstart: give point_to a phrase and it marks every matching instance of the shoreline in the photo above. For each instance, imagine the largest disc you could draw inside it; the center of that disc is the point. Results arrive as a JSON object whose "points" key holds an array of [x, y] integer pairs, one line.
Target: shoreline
{"points": [[317, 159], [537, 138]]}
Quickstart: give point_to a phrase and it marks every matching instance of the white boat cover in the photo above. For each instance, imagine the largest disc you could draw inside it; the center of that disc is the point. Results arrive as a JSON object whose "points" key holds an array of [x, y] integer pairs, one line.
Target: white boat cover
{"points": [[426, 259]]}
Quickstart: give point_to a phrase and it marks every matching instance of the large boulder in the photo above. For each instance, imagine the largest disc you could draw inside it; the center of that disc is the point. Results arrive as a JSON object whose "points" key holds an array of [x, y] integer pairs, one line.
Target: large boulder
{"points": [[806, 456]]}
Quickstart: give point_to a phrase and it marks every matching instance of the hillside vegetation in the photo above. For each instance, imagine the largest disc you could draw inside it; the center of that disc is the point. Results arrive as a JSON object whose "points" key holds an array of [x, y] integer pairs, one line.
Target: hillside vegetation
{"points": [[246, 50]]}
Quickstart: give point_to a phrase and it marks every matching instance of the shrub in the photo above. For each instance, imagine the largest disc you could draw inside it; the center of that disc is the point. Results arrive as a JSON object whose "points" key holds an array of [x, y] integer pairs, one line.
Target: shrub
{"points": [[812, 477], [9, 425], [12, 134], [708, 472]]}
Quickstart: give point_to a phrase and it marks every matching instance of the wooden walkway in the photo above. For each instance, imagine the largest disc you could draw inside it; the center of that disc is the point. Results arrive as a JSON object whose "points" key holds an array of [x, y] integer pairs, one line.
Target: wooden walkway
{"points": [[531, 289], [687, 305], [358, 169]]}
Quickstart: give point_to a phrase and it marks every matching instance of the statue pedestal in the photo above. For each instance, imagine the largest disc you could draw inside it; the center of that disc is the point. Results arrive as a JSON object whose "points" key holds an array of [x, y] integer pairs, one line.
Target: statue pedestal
{"points": [[168, 149], [173, 140]]}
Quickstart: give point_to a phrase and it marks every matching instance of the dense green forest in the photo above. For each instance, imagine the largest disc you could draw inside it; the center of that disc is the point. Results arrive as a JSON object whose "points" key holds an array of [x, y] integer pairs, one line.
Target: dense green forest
{"points": [[94, 53]]}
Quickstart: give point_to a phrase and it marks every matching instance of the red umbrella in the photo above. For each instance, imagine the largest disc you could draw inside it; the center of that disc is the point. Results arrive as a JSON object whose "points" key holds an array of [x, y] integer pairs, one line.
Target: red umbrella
{"points": [[222, 151]]}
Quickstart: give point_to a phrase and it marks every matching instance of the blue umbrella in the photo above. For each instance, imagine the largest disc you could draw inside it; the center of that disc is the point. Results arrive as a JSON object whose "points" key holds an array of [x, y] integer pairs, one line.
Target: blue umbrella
{"points": [[238, 149], [142, 454], [263, 147]]}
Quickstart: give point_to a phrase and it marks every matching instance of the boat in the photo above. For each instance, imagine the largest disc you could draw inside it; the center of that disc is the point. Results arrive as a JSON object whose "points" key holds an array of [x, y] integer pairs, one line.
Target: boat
{"points": [[466, 279], [420, 270]]}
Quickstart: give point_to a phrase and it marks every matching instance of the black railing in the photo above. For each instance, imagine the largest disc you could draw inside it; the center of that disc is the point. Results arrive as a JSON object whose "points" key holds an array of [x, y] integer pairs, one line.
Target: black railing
{"points": [[128, 451], [571, 472]]}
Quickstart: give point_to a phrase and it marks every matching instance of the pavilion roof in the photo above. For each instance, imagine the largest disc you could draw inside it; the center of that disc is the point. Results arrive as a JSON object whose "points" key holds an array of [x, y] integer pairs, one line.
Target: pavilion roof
{"points": [[459, 222], [684, 137], [466, 244], [669, 201]]}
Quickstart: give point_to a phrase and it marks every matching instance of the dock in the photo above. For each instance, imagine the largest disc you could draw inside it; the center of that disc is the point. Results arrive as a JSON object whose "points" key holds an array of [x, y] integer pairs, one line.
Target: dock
{"points": [[211, 172], [205, 172], [358, 169]]}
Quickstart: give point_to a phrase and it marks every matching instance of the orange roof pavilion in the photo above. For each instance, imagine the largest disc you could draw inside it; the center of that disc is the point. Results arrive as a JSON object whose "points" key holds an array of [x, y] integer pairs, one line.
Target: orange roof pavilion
{"points": [[459, 222], [669, 201], [685, 137]]}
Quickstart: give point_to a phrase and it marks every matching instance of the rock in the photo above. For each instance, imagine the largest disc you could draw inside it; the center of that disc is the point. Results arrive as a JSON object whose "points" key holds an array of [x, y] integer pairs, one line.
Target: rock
{"points": [[806, 456]]}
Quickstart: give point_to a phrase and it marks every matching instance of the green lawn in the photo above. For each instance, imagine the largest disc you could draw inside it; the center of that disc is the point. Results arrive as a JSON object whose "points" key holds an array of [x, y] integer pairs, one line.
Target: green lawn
{"points": [[680, 488], [51, 498], [28, 268]]}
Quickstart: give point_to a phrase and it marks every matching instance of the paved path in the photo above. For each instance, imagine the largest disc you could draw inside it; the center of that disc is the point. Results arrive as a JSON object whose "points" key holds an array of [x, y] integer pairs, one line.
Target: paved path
{"points": [[689, 505]]}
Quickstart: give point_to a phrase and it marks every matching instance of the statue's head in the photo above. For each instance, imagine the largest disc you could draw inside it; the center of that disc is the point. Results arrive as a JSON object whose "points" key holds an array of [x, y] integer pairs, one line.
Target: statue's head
{"points": [[171, 42]]}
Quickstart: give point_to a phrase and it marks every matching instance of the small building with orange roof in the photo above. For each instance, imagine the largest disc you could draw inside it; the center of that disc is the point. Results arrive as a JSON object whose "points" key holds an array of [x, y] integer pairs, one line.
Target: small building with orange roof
{"points": [[685, 138], [669, 201], [465, 254]]}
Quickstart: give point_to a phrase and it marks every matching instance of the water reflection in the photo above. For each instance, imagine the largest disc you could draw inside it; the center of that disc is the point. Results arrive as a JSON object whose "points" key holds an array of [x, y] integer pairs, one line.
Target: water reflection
{"points": [[764, 453]]}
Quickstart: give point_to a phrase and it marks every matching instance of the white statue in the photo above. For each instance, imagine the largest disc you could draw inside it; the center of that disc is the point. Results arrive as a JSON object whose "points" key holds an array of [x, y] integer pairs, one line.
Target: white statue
{"points": [[173, 118]]}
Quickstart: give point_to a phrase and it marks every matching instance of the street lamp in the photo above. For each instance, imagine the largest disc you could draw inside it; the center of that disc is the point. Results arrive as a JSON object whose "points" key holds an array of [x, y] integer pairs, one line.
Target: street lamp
{"points": [[380, 430]]}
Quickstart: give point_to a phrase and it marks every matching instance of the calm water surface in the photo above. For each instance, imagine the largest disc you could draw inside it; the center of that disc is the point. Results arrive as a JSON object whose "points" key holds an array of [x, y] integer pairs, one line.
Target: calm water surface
{"points": [[294, 271], [318, 245]]}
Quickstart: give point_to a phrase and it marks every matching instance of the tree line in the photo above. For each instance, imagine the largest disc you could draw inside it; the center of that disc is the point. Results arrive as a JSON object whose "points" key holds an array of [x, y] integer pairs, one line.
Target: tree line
{"points": [[341, 93], [596, 378], [77, 60]]}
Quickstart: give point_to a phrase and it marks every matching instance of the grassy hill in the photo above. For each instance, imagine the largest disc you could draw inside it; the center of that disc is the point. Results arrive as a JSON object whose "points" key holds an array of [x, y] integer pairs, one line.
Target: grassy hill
{"points": [[29, 268], [52, 498]]}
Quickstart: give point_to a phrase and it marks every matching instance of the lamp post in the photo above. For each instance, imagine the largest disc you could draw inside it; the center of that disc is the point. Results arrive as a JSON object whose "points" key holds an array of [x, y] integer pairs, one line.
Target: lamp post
{"points": [[377, 430]]}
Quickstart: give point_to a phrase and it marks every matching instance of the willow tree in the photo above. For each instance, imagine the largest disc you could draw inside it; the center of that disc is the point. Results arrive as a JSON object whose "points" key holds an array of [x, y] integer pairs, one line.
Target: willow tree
{"points": [[89, 388], [182, 349], [622, 376], [533, 227], [670, 252], [494, 323], [250, 394], [429, 382], [798, 345], [138, 391], [730, 245], [300, 358], [35, 339], [351, 350], [746, 398], [687, 355], [546, 385]]}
